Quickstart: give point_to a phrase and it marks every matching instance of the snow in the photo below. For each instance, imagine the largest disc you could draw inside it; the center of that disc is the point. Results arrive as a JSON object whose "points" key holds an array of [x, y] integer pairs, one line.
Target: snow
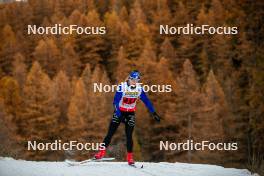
{"points": [[12, 167]]}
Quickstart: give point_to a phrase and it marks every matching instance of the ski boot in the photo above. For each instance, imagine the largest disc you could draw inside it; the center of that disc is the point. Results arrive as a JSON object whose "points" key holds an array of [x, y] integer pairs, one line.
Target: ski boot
{"points": [[130, 159], [100, 154]]}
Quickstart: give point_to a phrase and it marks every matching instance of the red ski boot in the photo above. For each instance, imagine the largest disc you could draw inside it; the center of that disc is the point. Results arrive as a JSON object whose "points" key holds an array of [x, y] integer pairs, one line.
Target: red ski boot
{"points": [[100, 154], [130, 159]]}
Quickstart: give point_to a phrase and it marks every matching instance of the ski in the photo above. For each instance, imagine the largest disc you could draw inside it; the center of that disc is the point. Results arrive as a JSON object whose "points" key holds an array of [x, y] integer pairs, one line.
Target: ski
{"points": [[76, 163], [136, 166]]}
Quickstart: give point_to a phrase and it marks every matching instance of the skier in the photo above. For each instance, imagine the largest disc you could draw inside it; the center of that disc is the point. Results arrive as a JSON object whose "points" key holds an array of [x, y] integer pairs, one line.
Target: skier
{"points": [[124, 103]]}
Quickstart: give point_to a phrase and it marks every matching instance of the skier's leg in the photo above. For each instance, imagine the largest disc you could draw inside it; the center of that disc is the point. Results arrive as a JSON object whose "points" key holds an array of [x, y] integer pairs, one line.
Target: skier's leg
{"points": [[129, 132], [115, 122], [129, 127], [111, 130]]}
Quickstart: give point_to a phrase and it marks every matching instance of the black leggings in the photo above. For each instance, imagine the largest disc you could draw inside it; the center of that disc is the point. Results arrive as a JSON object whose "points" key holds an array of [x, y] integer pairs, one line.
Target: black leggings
{"points": [[128, 118]]}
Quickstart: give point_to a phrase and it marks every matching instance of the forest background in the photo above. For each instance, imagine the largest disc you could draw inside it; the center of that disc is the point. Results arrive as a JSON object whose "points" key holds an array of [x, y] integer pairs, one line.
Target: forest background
{"points": [[217, 80]]}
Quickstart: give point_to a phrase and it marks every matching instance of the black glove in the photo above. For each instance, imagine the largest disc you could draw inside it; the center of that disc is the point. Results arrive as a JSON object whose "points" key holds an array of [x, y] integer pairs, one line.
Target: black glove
{"points": [[156, 116]]}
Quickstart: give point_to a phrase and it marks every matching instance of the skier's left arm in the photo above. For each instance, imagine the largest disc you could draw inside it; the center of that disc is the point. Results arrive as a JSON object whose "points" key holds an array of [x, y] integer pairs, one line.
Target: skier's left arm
{"points": [[149, 105], [117, 98]]}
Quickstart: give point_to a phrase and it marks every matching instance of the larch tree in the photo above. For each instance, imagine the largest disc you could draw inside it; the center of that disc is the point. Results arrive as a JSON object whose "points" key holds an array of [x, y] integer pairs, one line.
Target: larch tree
{"points": [[113, 24], [8, 49], [39, 112], [146, 64], [124, 14], [19, 69], [256, 89], [199, 44], [115, 5], [158, 74], [239, 128], [136, 15], [70, 63], [180, 17], [11, 96], [160, 16], [48, 55], [186, 46], [253, 21], [100, 102], [20, 14], [186, 106], [62, 93], [64, 7], [8, 145], [238, 88], [75, 16], [221, 48], [169, 52], [180, 14], [147, 60], [114, 29], [213, 118], [87, 77], [124, 66], [204, 63], [220, 56], [217, 13], [136, 40], [77, 113], [256, 120], [100, 108], [90, 48], [41, 9], [153, 72]]}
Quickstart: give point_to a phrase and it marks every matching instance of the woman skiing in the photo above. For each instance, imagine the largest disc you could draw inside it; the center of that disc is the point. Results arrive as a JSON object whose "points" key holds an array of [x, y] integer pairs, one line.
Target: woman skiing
{"points": [[125, 100]]}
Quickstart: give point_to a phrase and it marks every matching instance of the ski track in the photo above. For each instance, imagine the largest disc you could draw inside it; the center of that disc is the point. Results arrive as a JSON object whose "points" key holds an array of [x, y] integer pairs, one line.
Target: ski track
{"points": [[11, 167]]}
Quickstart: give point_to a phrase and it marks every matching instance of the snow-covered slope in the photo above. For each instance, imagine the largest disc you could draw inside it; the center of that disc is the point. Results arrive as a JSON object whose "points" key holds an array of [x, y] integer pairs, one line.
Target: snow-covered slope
{"points": [[11, 167]]}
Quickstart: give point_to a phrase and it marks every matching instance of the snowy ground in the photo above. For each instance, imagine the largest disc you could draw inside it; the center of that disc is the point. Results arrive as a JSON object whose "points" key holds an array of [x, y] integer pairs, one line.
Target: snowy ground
{"points": [[11, 167]]}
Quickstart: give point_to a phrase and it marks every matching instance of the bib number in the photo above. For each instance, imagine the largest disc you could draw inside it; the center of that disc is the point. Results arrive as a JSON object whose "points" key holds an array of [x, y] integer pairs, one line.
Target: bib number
{"points": [[129, 100]]}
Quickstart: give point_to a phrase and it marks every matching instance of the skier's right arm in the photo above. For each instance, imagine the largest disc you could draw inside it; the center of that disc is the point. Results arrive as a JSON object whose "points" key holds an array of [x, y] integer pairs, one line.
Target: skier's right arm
{"points": [[117, 98]]}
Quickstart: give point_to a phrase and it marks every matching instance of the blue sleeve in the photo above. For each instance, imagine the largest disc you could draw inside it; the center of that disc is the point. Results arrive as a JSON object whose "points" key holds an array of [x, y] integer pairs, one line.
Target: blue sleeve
{"points": [[117, 98], [146, 101]]}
